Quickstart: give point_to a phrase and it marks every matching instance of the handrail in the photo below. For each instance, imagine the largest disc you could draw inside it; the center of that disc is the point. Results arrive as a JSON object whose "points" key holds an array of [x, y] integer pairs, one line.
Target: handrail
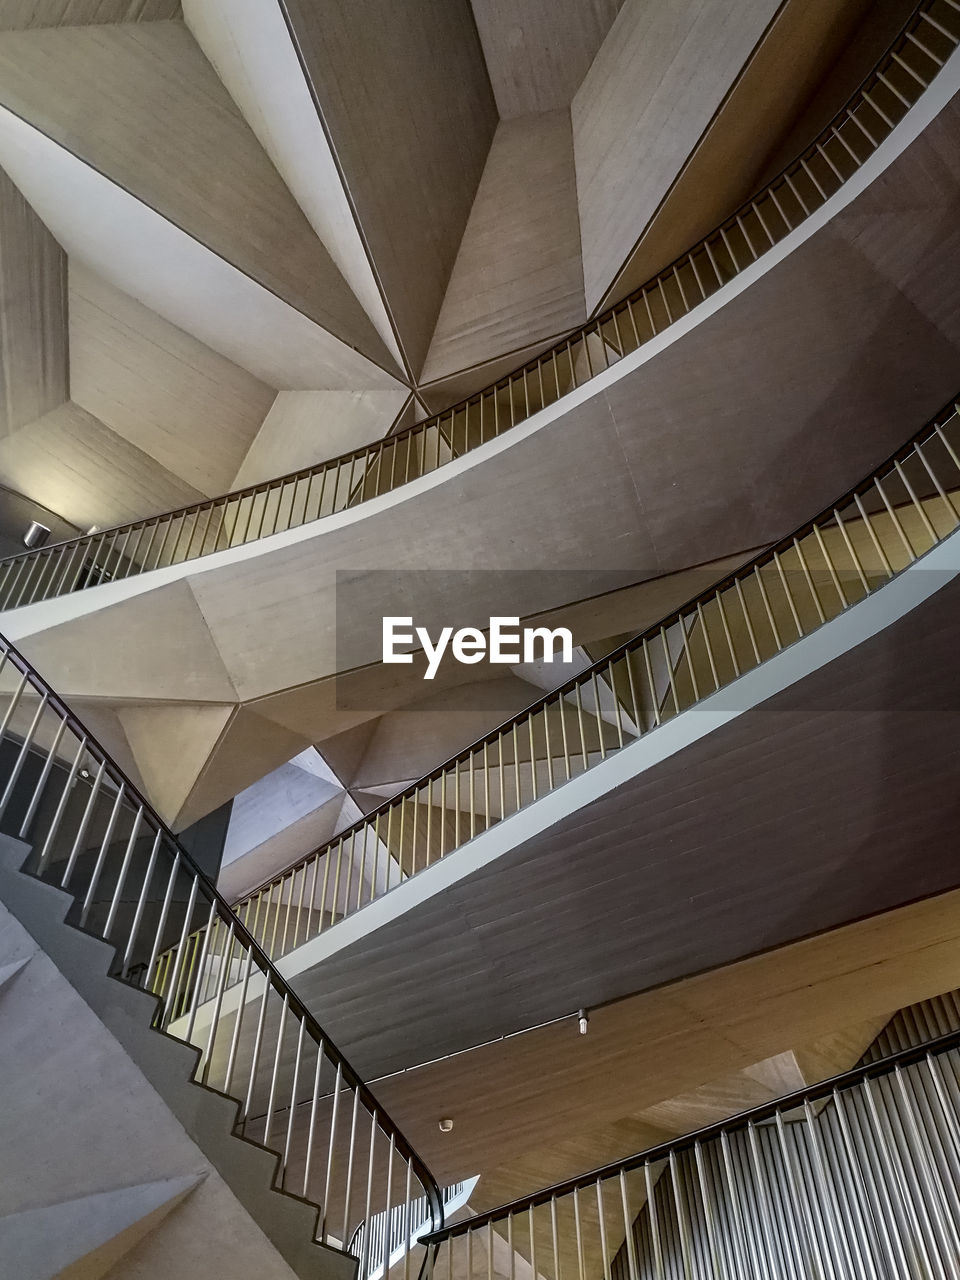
{"points": [[856, 545], [312, 493], [134, 886], [856, 1176]]}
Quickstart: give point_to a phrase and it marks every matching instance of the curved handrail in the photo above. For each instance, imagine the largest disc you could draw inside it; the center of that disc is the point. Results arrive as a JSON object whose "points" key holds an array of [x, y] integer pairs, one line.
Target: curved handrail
{"points": [[312, 493], [853, 1176], [906, 506], [136, 887]]}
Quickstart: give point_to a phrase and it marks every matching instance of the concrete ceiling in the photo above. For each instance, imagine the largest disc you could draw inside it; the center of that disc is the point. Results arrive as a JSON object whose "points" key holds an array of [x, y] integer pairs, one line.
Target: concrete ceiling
{"points": [[710, 445], [258, 209]]}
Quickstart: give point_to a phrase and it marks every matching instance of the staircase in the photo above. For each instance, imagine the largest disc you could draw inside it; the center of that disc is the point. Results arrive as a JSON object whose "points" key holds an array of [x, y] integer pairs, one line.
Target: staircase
{"points": [[90, 874]]}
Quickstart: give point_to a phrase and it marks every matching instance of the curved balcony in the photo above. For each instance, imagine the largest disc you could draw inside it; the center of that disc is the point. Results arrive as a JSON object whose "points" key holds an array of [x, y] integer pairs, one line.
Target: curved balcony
{"points": [[781, 614], [76, 822], [695, 280]]}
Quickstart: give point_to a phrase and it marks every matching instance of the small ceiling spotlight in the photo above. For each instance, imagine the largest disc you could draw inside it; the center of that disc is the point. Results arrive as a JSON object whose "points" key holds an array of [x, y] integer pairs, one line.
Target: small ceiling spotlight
{"points": [[584, 1021], [36, 535], [446, 1124]]}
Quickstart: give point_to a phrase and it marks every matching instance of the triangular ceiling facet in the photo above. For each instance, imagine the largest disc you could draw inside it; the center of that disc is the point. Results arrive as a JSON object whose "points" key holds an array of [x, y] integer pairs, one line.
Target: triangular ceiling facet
{"points": [[174, 139], [84, 1239]]}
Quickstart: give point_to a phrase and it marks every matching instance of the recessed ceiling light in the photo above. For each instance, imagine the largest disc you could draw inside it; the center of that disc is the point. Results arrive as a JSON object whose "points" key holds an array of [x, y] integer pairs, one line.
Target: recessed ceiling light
{"points": [[446, 1125]]}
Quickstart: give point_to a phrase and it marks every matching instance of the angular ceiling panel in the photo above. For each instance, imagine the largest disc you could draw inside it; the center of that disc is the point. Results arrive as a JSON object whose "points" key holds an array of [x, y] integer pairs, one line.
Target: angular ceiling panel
{"points": [[140, 103], [306, 427], [518, 277], [653, 88], [538, 51], [105, 228], [33, 314], [71, 462], [249, 44], [123, 652], [171, 745], [408, 108], [189, 408]]}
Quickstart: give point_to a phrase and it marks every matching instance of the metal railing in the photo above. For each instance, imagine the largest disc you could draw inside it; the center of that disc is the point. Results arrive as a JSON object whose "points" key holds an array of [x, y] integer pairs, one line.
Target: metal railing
{"points": [[857, 1178], [849, 551], [135, 887], [906, 70], [391, 1232]]}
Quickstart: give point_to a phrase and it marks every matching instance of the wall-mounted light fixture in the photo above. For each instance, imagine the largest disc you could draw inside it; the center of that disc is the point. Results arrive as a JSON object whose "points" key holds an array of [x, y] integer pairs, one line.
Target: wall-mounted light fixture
{"points": [[584, 1021], [36, 535]]}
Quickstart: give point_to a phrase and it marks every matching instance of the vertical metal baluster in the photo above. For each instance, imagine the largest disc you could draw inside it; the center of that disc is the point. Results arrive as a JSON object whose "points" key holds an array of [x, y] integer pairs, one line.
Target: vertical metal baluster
{"points": [[877, 545], [292, 1107], [345, 1233], [257, 1046], [225, 962], [798, 1210], [924, 518], [851, 551], [638, 719], [814, 593], [141, 903], [235, 1038], [654, 1217], [670, 673], [633, 1269], [865, 1214], [578, 692], [198, 986], [331, 1141], [907, 544], [685, 642], [839, 1242], [709, 1217], [769, 612], [23, 752], [831, 567], [556, 1239], [164, 912], [744, 1245], [789, 594], [709, 647], [683, 1218], [927, 1175], [101, 856], [747, 620], [945, 497], [366, 1216], [604, 1247], [61, 805], [169, 1013], [894, 1176], [82, 828], [651, 683]]}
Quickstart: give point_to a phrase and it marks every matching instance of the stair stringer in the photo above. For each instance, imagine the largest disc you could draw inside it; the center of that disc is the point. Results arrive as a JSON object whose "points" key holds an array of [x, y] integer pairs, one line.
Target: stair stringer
{"points": [[208, 1117]]}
